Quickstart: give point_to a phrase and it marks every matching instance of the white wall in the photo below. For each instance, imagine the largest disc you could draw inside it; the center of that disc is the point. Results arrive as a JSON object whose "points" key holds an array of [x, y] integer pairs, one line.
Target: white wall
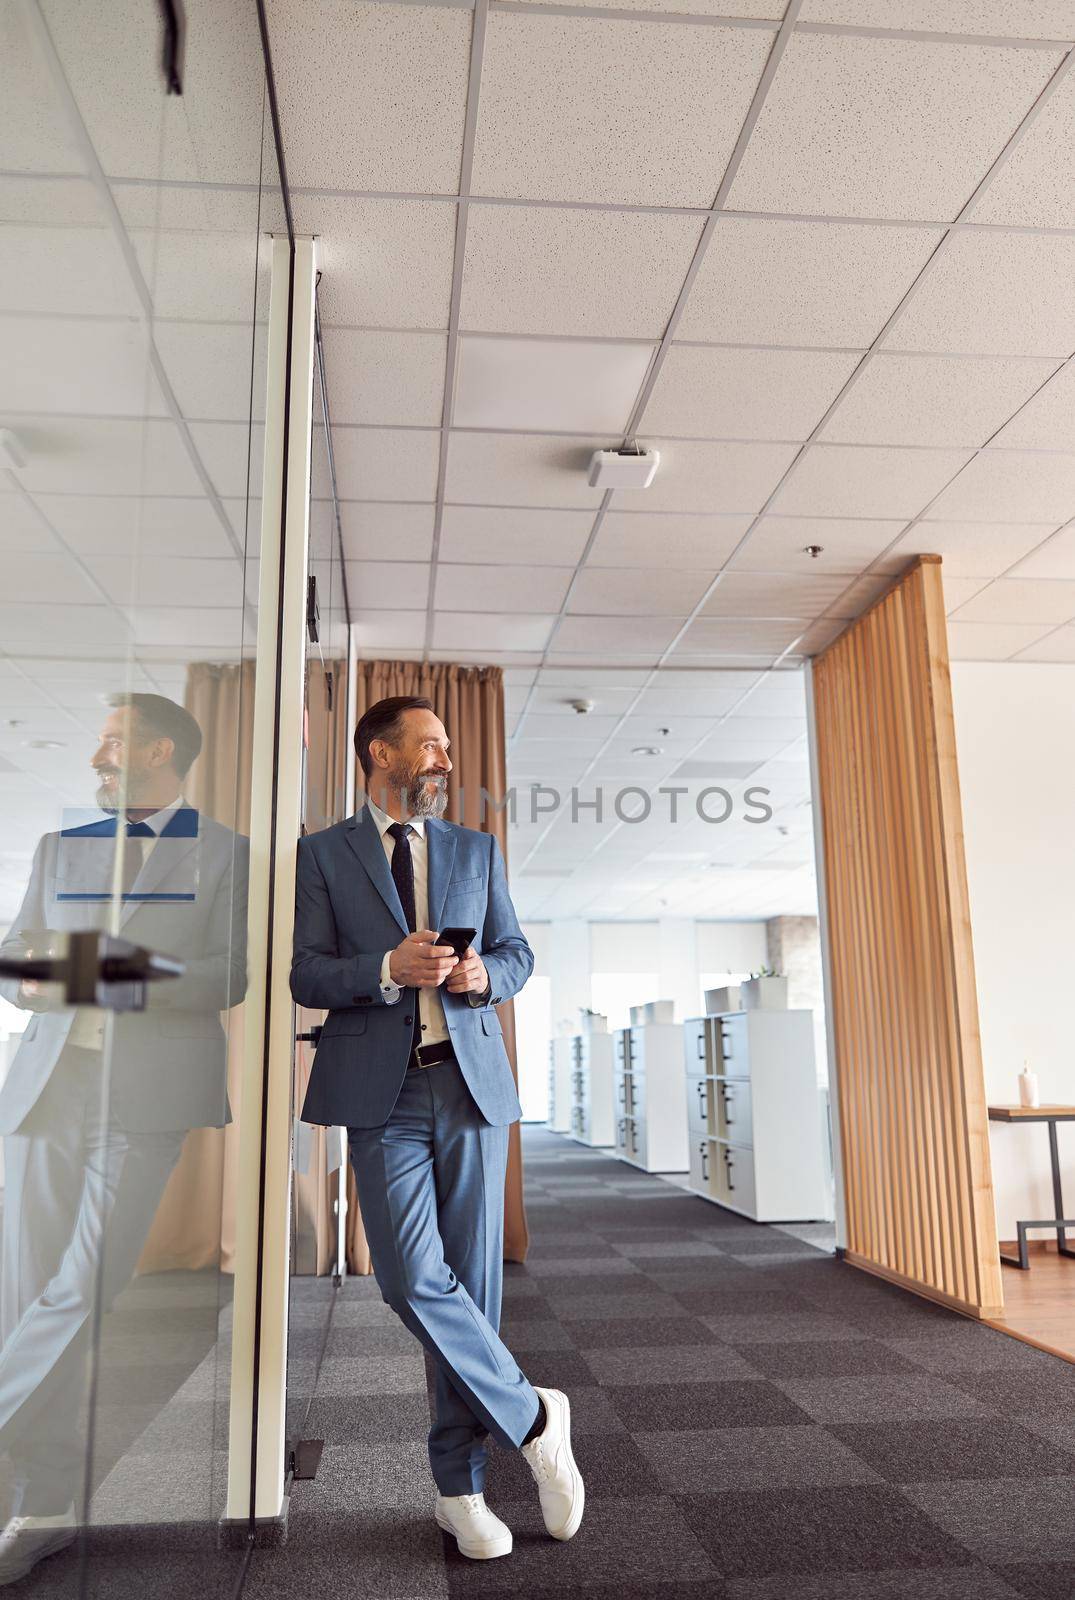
{"points": [[1015, 739]]}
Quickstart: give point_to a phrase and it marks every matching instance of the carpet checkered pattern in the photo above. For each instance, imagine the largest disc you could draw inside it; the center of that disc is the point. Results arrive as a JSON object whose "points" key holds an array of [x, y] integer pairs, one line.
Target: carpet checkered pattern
{"points": [[757, 1421]]}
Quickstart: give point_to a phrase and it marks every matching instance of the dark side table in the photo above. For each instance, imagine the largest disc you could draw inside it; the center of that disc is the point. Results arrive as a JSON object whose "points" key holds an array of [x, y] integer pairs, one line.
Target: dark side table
{"points": [[1050, 1115]]}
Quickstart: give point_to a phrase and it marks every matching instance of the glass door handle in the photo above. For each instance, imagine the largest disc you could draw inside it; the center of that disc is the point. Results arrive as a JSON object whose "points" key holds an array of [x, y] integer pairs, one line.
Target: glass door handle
{"points": [[312, 1037], [97, 969]]}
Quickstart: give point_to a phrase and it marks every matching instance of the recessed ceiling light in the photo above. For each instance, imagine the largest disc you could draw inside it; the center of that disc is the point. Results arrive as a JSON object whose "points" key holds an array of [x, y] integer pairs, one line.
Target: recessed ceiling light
{"points": [[45, 744], [647, 750]]}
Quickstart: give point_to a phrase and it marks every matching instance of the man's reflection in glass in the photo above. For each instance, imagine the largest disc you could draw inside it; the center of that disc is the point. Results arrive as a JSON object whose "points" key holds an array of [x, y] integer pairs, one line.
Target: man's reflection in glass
{"points": [[93, 1116]]}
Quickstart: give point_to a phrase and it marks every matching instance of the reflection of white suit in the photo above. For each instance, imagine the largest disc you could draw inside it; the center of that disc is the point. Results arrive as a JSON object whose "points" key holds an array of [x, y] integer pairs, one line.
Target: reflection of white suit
{"points": [[90, 1138]]}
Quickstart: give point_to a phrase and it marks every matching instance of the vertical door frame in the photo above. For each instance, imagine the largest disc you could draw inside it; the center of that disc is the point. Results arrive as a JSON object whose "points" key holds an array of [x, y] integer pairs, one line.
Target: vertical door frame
{"points": [[257, 1434], [836, 1137]]}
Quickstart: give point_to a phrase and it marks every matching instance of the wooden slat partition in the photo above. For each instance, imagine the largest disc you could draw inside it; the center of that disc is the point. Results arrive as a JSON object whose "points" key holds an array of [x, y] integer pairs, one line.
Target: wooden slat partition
{"points": [[910, 1090]]}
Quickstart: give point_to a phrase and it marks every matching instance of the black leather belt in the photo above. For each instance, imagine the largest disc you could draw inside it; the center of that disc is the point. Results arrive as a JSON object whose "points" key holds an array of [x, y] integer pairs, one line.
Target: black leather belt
{"points": [[427, 1055]]}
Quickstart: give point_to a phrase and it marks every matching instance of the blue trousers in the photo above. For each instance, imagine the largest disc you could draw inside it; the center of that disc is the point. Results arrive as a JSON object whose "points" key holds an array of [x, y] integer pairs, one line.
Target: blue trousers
{"points": [[431, 1187]]}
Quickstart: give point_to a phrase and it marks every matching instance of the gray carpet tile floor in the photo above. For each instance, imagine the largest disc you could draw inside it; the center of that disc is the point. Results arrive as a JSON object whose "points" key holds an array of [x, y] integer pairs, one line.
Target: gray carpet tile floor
{"points": [[755, 1420]]}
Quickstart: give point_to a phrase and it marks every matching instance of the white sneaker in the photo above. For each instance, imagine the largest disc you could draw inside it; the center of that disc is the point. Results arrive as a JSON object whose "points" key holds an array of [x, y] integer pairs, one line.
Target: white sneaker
{"points": [[479, 1534], [558, 1479], [27, 1540]]}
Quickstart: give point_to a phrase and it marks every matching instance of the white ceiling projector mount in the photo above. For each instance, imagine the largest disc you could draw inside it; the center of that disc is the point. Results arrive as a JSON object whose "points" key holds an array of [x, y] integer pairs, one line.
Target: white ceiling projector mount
{"points": [[632, 467]]}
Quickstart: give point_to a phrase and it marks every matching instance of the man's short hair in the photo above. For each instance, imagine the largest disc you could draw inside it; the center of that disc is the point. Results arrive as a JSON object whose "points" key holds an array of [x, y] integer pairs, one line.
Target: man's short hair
{"points": [[384, 720], [161, 718]]}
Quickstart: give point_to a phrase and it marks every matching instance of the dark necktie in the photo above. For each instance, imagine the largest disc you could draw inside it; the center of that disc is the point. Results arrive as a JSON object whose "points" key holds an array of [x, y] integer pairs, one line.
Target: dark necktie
{"points": [[403, 878], [134, 853]]}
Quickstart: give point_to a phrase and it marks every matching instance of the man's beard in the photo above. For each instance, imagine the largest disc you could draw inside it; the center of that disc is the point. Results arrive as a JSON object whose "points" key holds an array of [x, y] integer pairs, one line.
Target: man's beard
{"points": [[418, 797], [108, 797]]}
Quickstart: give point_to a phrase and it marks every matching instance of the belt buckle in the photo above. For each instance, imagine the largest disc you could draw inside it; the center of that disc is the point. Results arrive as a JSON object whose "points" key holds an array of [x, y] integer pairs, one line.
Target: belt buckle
{"points": [[417, 1054]]}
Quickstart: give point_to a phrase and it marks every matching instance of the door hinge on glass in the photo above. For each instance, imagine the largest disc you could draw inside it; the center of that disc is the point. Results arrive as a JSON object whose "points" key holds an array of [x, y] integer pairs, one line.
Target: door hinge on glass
{"points": [[97, 969]]}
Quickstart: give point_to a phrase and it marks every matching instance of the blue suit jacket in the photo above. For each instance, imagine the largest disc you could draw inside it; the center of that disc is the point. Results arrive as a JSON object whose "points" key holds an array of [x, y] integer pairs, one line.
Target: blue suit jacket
{"points": [[168, 1062], [347, 914]]}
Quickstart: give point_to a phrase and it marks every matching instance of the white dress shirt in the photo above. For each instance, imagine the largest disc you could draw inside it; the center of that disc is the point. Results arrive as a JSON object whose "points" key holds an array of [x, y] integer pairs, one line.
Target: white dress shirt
{"points": [[430, 1006], [87, 1030]]}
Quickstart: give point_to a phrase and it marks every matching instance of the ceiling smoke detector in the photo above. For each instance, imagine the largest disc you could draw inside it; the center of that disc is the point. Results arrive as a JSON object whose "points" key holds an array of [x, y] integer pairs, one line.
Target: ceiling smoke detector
{"points": [[582, 707], [629, 468]]}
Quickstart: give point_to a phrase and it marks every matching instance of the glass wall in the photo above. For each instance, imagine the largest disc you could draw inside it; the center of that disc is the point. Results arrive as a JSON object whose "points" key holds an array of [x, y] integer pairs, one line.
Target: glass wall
{"points": [[319, 1157], [133, 298]]}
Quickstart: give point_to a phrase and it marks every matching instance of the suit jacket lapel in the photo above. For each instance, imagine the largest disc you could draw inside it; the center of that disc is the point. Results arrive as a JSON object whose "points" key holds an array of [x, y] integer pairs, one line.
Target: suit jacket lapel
{"points": [[365, 841], [440, 854]]}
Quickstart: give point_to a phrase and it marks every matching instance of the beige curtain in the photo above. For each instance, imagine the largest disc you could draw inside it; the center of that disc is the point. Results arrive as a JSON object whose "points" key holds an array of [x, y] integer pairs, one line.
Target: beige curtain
{"points": [[470, 703], [195, 1222]]}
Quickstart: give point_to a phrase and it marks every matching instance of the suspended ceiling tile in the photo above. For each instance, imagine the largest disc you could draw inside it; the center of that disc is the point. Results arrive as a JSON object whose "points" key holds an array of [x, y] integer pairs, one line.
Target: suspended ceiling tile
{"points": [[991, 641], [187, 625], [220, 276], [521, 469], [884, 127], [778, 544], [638, 591], [383, 263], [372, 97], [1056, 646], [695, 476], [569, 110], [543, 270], [42, 269], [640, 538], [385, 378], [800, 282], [41, 576], [1046, 422], [34, 132], [1029, 600], [745, 394], [501, 588], [95, 455], [994, 293], [47, 360], [1011, 486], [24, 525], [61, 630], [735, 636], [169, 581], [847, 481], [777, 594], [1031, 19], [231, 453], [969, 549], [157, 207], [1054, 558], [933, 399], [210, 367], [957, 591], [40, 198], [388, 631], [386, 532], [516, 534], [115, 76], [763, 10], [384, 464], [479, 630], [388, 585], [576, 385], [1036, 185], [627, 636]]}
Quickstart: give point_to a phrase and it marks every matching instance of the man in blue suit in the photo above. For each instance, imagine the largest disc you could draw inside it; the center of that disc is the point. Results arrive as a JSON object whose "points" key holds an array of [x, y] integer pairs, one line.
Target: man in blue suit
{"points": [[412, 1061]]}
